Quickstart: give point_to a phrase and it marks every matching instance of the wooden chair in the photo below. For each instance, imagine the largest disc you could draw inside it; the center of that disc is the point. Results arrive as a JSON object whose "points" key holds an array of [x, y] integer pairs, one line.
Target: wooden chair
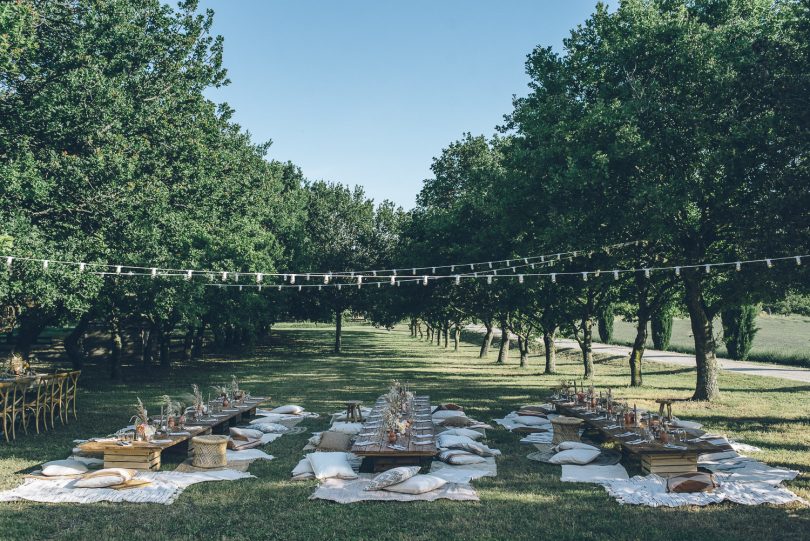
{"points": [[71, 389], [35, 402], [54, 397], [12, 398]]}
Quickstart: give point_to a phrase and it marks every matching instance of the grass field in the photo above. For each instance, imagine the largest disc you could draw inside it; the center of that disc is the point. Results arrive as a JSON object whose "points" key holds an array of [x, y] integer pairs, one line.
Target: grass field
{"points": [[525, 501], [780, 339]]}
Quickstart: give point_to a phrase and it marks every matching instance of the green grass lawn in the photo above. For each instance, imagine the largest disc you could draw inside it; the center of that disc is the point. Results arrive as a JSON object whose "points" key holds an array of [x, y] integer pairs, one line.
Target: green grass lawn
{"points": [[525, 501], [780, 339]]}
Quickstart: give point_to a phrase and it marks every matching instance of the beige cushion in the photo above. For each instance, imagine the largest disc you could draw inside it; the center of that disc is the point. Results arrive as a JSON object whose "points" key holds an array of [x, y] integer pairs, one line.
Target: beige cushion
{"points": [[392, 477], [418, 484], [447, 441], [63, 467], [334, 441], [575, 456], [457, 422], [459, 457], [477, 448], [466, 432], [347, 428], [692, 482], [105, 478], [566, 445], [303, 470], [245, 433]]}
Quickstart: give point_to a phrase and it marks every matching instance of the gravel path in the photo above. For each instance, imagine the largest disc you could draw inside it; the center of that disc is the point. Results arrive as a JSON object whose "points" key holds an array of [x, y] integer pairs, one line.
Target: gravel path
{"points": [[768, 370]]}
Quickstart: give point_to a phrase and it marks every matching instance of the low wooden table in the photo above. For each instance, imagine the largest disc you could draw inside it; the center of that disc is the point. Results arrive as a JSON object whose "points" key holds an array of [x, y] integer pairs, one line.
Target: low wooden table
{"points": [[655, 457], [143, 455], [379, 456]]}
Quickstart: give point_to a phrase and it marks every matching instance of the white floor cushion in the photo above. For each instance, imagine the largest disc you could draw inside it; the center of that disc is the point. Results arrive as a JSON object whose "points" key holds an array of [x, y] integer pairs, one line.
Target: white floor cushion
{"points": [[289, 409], [566, 445], [63, 467], [245, 433], [458, 457], [575, 456], [466, 432], [418, 484], [270, 428], [331, 464], [269, 418], [446, 440], [303, 470], [351, 429], [531, 420], [444, 414], [392, 477]]}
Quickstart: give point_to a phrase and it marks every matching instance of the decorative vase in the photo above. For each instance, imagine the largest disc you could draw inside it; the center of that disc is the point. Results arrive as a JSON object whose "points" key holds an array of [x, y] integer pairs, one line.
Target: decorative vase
{"points": [[392, 436], [225, 402]]}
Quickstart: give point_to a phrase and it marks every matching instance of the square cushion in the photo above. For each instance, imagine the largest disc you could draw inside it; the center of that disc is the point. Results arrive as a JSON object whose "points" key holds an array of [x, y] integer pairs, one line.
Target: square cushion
{"points": [[448, 440], [531, 420], [63, 467], [459, 457], [566, 445], [334, 441], [477, 448], [418, 484], [392, 477], [444, 414], [105, 478], [692, 482], [303, 470], [466, 432], [347, 428], [575, 456], [289, 409], [245, 433], [456, 422], [270, 428], [331, 464]]}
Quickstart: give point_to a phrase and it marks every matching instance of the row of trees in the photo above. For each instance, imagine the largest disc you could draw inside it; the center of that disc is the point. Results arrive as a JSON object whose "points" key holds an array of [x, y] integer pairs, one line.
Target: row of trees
{"points": [[682, 124]]}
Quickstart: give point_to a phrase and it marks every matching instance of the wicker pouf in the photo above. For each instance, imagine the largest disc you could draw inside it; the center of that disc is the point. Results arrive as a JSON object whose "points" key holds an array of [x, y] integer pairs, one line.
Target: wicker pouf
{"points": [[565, 429], [209, 451]]}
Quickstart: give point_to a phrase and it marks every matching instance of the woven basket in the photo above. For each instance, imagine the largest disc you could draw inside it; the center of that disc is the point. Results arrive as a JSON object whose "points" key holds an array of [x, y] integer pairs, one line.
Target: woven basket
{"points": [[209, 451], [565, 429]]}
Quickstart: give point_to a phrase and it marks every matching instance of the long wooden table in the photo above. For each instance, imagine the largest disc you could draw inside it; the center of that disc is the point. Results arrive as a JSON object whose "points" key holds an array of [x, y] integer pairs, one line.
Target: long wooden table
{"points": [[419, 443], [145, 455], [655, 457]]}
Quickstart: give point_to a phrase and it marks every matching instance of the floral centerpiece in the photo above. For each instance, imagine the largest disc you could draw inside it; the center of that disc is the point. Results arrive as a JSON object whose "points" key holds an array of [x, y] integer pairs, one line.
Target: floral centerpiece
{"points": [[174, 413], [237, 394], [197, 401], [17, 366], [143, 430]]}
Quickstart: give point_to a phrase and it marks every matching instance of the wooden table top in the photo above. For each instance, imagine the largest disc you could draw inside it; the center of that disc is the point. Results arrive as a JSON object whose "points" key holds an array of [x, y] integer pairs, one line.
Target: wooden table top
{"points": [[651, 448], [192, 428], [422, 431]]}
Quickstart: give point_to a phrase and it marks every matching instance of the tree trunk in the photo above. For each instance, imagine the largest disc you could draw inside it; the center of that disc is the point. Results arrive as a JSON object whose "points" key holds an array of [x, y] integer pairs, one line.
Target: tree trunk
{"points": [[551, 351], [147, 355], [30, 328], [74, 342], [419, 329], [165, 336], [503, 351], [587, 346], [117, 348], [188, 344], [456, 337], [446, 335], [706, 387], [438, 335], [338, 330], [199, 337], [485, 345], [523, 347], [639, 344]]}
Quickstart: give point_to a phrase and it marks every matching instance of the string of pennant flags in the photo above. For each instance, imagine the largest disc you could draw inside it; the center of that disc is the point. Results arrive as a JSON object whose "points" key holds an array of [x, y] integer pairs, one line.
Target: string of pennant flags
{"points": [[584, 275], [105, 269], [358, 279]]}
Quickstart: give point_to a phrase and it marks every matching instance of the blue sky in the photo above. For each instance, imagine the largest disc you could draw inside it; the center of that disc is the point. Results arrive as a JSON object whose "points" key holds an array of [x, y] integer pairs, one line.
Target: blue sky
{"points": [[368, 91]]}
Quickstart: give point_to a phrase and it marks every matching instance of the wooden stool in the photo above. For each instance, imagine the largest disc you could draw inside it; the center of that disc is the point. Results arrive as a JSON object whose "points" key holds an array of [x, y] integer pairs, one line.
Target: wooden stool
{"points": [[665, 402], [353, 413], [565, 429]]}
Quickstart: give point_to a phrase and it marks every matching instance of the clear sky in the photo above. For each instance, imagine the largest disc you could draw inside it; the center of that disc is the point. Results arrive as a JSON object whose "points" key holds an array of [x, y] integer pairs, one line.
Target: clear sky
{"points": [[368, 91]]}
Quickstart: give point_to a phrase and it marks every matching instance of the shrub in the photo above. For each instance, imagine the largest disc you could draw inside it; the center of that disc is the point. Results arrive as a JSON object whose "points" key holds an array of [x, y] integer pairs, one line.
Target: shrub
{"points": [[739, 330]]}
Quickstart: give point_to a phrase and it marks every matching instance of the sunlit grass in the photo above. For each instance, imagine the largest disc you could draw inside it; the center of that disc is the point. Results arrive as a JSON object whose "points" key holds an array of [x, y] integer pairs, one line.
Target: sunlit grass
{"points": [[525, 501]]}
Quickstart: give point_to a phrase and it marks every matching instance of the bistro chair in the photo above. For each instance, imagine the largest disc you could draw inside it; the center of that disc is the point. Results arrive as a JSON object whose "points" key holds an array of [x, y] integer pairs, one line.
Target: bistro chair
{"points": [[71, 389], [12, 398], [35, 402], [54, 397]]}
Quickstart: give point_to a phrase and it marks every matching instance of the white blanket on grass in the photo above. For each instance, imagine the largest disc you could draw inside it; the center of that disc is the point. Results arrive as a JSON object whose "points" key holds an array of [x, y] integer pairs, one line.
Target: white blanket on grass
{"points": [[652, 491], [592, 474], [165, 488], [351, 491]]}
